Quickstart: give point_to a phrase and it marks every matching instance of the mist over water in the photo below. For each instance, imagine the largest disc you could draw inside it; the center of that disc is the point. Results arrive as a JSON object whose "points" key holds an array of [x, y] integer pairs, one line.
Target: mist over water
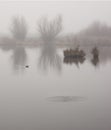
{"points": [[55, 66]]}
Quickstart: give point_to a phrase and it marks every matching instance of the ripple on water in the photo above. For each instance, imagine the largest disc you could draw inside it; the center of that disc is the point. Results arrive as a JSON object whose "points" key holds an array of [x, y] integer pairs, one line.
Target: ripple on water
{"points": [[66, 99]]}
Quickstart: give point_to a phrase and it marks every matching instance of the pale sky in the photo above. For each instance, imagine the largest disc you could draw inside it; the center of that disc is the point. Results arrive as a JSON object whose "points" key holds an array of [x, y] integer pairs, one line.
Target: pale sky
{"points": [[76, 15]]}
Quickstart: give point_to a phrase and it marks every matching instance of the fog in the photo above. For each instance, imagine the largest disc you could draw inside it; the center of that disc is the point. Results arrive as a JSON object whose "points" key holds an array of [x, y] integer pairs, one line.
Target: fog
{"points": [[76, 15], [55, 64]]}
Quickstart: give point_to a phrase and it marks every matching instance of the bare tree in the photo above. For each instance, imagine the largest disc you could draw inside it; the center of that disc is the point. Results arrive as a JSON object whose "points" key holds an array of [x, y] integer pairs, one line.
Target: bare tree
{"points": [[49, 29], [98, 29], [19, 28]]}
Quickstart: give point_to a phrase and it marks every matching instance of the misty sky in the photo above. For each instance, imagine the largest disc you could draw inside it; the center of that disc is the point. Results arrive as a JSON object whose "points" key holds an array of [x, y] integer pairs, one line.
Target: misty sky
{"points": [[76, 15]]}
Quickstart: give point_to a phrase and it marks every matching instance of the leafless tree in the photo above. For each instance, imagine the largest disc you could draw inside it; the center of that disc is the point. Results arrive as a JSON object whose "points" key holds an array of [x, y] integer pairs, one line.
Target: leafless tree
{"points": [[19, 28], [98, 29], [49, 29]]}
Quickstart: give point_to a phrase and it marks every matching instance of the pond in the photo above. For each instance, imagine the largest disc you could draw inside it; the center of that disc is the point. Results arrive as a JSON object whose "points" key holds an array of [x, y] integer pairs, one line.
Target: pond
{"points": [[41, 90], [55, 65]]}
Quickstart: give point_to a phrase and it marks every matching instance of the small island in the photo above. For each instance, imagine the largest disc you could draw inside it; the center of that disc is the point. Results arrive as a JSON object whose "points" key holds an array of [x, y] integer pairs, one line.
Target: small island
{"points": [[77, 53]]}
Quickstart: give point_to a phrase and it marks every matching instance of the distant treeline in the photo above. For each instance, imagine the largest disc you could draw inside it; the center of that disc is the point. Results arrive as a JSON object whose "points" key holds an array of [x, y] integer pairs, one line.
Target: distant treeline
{"points": [[49, 30]]}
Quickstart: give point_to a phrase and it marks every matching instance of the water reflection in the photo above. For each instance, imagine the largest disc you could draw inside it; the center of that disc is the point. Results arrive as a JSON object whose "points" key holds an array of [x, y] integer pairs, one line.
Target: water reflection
{"points": [[96, 34], [49, 57], [75, 56], [15, 43], [101, 56], [19, 58], [76, 61], [95, 59], [66, 99], [49, 30]]}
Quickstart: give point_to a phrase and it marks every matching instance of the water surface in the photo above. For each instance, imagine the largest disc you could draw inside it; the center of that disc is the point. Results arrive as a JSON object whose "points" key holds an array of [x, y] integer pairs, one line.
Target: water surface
{"points": [[51, 94], [40, 89]]}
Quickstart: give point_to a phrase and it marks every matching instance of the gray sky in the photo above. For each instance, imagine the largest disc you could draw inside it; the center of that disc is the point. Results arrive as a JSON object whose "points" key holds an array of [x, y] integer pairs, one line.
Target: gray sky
{"points": [[76, 15]]}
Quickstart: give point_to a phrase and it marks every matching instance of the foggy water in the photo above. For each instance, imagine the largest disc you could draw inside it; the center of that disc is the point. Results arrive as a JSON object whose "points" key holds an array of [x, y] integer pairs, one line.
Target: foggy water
{"points": [[51, 94], [40, 87]]}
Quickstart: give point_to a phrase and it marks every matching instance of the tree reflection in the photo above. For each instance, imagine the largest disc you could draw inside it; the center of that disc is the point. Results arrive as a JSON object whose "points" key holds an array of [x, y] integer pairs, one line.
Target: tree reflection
{"points": [[19, 58], [97, 34], [95, 59], [75, 56], [49, 58], [72, 60], [49, 31]]}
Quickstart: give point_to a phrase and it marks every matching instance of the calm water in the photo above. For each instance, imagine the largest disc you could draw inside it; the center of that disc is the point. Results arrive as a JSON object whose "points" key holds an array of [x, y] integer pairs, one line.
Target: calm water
{"points": [[40, 89], [52, 94]]}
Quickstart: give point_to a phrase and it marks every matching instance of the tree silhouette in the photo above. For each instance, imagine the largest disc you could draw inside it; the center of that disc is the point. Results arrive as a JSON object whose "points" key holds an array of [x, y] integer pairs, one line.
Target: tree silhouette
{"points": [[49, 29], [19, 28]]}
